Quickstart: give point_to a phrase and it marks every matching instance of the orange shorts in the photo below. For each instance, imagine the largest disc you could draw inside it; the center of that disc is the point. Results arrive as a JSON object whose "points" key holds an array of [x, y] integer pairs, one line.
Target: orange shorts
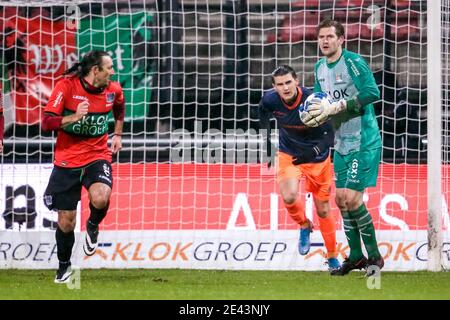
{"points": [[318, 176]]}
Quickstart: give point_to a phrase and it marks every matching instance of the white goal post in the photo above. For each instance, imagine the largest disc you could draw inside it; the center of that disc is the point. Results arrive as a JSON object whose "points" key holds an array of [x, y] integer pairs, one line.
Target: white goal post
{"points": [[434, 88]]}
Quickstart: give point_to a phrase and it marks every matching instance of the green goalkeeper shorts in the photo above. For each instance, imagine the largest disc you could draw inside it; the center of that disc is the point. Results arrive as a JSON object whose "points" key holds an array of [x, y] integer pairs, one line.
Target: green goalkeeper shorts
{"points": [[357, 170]]}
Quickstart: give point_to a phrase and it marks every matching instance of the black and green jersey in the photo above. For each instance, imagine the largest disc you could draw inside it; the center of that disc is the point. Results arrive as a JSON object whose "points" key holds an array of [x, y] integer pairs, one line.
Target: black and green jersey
{"points": [[350, 78]]}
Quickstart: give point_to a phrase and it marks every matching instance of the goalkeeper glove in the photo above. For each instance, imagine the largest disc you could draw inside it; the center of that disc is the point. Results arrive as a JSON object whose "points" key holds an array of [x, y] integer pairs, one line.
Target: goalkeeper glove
{"points": [[307, 155], [310, 154], [320, 113]]}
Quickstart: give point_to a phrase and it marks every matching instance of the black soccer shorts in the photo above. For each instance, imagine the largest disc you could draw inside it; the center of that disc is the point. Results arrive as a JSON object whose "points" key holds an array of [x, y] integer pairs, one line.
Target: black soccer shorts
{"points": [[64, 187]]}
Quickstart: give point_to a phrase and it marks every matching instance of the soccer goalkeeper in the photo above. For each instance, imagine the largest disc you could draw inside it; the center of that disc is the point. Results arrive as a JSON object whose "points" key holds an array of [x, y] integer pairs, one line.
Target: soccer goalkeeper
{"points": [[347, 78], [304, 153]]}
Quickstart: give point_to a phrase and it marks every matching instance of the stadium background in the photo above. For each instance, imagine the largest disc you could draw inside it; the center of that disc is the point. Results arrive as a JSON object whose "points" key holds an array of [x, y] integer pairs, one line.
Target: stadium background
{"points": [[189, 191]]}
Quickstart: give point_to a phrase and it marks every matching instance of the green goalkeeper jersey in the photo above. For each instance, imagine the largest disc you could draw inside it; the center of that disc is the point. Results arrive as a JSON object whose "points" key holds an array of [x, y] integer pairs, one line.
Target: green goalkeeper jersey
{"points": [[350, 78]]}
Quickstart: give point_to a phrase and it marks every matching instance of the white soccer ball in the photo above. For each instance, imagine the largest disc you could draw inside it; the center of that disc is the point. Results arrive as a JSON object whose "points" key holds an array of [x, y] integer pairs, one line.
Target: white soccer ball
{"points": [[312, 107]]}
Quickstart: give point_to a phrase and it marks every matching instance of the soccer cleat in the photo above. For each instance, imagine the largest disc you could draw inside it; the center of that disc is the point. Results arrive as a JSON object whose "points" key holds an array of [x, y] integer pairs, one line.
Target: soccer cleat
{"points": [[304, 241], [90, 244], [348, 266], [63, 274], [374, 266], [333, 264]]}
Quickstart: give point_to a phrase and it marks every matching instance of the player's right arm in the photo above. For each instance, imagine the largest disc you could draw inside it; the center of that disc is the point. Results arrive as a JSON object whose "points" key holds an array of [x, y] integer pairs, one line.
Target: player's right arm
{"points": [[264, 124], [82, 110], [53, 119], [264, 116], [308, 155]]}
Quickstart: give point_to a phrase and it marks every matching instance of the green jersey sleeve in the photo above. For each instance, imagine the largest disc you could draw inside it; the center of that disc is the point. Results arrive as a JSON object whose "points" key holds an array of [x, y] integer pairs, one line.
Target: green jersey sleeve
{"points": [[364, 82], [317, 87]]}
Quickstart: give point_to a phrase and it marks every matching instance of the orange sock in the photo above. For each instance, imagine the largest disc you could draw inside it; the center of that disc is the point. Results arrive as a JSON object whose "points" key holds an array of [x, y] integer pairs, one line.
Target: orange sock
{"points": [[328, 230], [297, 211]]}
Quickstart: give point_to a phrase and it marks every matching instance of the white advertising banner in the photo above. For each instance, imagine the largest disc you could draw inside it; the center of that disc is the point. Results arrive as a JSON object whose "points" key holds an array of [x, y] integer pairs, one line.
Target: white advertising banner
{"points": [[171, 217], [208, 249]]}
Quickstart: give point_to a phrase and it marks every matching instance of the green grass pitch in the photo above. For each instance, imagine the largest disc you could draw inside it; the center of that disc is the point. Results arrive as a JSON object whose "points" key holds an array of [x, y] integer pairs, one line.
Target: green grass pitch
{"points": [[176, 284]]}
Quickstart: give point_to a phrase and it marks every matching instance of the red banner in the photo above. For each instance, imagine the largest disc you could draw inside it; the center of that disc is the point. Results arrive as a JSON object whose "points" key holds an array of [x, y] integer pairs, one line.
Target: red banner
{"points": [[202, 196], [37, 51]]}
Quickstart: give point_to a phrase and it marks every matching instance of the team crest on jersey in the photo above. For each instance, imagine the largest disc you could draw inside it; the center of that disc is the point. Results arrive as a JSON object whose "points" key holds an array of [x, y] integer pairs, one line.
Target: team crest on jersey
{"points": [[339, 78], [110, 97]]}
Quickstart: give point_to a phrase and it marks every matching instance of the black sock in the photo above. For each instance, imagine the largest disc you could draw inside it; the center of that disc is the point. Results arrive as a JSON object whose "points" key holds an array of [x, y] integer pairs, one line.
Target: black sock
{"points": [[97, 215], [64, 265], [64, 244]]}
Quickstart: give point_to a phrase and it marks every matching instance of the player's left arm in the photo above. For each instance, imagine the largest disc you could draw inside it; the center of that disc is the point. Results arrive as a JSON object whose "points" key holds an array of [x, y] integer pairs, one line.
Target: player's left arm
{"points": [[264, 115], [365, 83], [119, 116]]}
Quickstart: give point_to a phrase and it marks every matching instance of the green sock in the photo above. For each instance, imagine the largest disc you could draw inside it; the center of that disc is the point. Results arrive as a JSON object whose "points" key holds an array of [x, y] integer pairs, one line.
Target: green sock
{"points": [[353, 237], [367, 231]]}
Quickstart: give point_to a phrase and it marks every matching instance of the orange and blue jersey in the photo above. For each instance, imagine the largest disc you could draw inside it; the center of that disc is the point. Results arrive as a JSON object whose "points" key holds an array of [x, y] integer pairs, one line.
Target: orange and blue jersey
{"points": [[294, 135]]}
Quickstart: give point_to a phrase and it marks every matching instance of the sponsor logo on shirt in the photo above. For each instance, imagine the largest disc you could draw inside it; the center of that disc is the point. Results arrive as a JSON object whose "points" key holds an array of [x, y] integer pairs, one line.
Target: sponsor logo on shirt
{"points": [[91, 125], [80, 98], [338, 94]]}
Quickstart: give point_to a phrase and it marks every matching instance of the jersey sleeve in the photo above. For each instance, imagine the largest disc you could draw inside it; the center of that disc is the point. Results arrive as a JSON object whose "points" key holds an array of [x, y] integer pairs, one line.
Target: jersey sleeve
{"points": [[119, 106], [57, 99], [264, 124], [363, 79], [264, 115], [317, 87]]}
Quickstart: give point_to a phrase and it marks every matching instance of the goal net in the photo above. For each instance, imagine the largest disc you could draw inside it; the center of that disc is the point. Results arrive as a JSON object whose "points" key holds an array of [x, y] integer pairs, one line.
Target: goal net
{"points": [[191, 188]]}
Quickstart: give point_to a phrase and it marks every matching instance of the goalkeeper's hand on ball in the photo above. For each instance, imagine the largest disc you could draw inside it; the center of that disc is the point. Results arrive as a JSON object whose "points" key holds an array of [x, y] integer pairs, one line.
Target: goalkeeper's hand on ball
{"points": [[319, 113]]}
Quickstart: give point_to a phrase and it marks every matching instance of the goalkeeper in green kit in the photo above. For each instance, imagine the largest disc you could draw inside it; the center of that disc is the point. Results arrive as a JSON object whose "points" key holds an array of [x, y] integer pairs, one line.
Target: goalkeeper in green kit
{"points": [[348, 80]]}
